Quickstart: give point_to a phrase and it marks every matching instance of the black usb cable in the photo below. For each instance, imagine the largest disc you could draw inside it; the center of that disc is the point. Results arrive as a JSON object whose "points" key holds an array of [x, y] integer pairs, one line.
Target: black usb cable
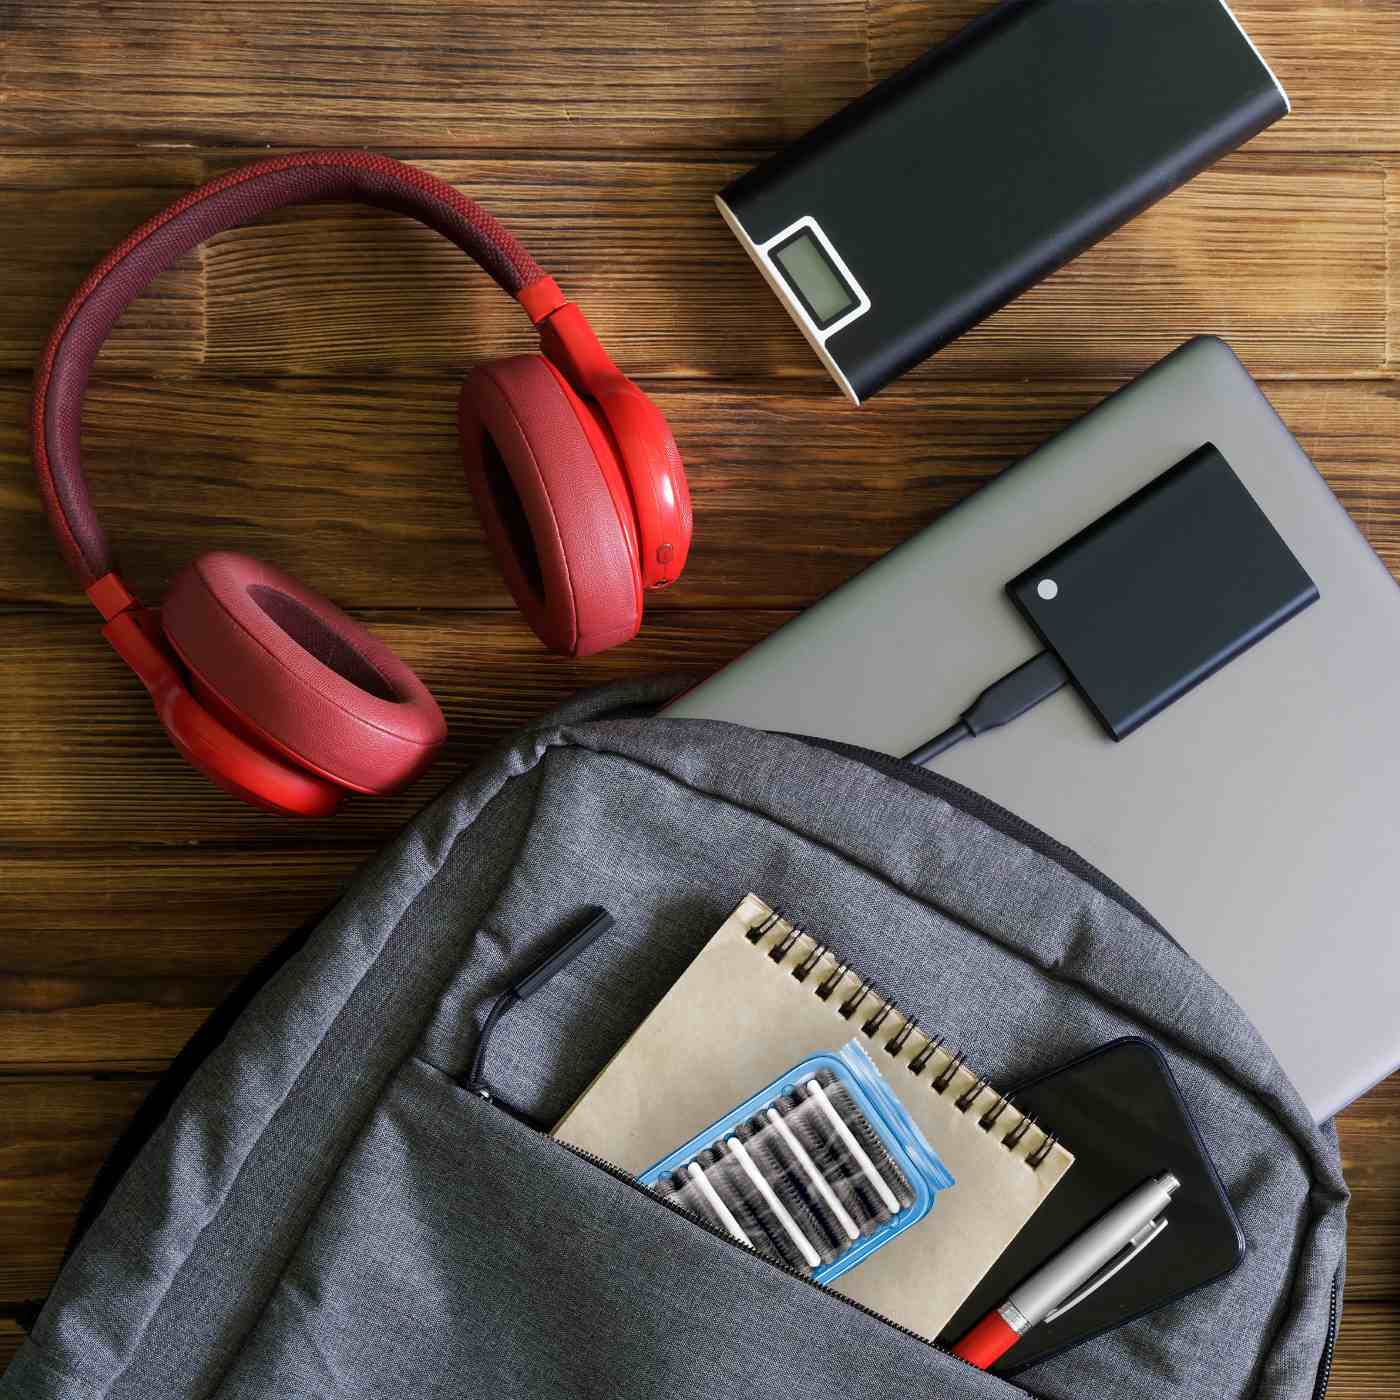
{"points": [[1009, 698]]}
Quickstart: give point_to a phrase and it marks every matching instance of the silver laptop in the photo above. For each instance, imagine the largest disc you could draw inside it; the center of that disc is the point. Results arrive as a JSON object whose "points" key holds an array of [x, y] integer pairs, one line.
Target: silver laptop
{"points": [[1257, 818]]}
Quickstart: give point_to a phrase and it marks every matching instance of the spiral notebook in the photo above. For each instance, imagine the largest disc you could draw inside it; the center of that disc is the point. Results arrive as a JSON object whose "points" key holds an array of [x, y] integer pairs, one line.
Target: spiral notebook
{"points": [[763, 995]]}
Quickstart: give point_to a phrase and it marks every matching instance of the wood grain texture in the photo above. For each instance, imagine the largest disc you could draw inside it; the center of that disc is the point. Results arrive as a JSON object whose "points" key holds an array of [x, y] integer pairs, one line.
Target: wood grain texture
{"points": [[1367, 1363], [610, 76], [1392, 224], [1370, 1134], [87, 915], [88, 764], [638, 244], [599, 77], [90, 975], [57, 1132], [1339, 61], [289, 391], [356, 486], [57, 218]]}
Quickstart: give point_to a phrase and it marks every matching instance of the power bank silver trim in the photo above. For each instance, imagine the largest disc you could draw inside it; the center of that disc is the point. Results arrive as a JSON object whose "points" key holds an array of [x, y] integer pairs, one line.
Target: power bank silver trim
{"points": [[815, 338], [1282, 91]]}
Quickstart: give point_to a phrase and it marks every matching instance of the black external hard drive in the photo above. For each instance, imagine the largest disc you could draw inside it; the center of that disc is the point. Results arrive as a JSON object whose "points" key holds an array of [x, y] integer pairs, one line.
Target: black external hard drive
{"points": [[1163, 591], [946, 191]]}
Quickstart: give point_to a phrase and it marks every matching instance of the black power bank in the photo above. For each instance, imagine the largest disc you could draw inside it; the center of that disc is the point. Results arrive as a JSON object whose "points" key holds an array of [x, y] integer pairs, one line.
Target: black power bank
{"points": [[950, 188], [1163, 591]]}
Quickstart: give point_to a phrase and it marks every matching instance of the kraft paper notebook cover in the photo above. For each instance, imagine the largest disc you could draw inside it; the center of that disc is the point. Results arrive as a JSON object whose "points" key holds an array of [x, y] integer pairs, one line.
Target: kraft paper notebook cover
{"points": [[737, 1019]]}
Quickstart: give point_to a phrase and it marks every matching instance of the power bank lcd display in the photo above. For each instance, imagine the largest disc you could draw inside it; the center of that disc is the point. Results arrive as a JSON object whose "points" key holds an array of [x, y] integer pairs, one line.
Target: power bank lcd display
{"points": [[812, 277]]}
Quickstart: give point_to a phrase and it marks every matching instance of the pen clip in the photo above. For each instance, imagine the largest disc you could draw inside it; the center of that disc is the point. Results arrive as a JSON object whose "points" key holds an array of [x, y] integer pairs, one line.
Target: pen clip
{"points": [[1129, 1252]]}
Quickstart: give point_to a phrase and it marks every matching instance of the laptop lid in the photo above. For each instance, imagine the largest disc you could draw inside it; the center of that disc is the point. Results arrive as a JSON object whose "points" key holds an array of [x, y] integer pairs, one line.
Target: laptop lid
{"points": [[1256, 817]]}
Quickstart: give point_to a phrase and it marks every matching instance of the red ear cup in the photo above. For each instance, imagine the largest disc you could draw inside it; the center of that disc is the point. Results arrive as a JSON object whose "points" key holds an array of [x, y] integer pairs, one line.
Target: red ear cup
{"points": [[554, 504], [289, 672], [254, 774]]}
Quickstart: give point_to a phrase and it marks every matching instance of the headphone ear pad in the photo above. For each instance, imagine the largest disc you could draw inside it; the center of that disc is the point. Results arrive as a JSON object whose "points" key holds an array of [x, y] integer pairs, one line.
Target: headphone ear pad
{"points": [[554, 504], [290, 672]]}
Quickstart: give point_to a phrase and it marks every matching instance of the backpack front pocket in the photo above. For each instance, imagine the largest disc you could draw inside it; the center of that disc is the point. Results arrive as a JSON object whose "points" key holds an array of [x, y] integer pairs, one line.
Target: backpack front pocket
{"points": [[461, 1253]]}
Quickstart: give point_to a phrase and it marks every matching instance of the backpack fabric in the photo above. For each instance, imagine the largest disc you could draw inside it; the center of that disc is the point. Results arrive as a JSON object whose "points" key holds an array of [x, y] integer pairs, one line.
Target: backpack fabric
{"points": [[326, 1211]]}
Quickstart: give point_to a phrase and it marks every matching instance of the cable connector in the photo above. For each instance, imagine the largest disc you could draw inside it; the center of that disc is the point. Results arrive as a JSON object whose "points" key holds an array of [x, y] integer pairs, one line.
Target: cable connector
{"points": [[1007, 699]]}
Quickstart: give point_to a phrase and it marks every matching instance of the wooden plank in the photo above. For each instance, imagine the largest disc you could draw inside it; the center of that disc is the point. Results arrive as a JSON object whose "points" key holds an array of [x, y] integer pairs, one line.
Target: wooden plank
{"points": [[1370, 1137], [86, 762], [729, 75], [640, 247], [490, 73], [1366, 1364], [57, 1132], [357, 487], [1392, 224], [67, 1030], [159, 914], [1352, 433], [116, 957], [1339, 61], [58, 215]]}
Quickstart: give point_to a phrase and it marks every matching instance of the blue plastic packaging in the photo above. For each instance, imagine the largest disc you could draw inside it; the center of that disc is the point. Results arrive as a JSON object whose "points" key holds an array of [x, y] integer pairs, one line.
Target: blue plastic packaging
{"points": [[753, 1173]]}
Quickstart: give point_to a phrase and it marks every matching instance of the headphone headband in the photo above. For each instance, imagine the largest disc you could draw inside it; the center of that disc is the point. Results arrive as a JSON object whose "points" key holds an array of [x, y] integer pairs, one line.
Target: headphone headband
{"points": [[225, 203]]}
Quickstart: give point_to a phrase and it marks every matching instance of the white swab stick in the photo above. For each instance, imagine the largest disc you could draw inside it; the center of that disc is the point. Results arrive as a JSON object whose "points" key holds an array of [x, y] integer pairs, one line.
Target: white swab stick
{"points": [[815, 1091], [813, 1175], [717, 1205], [774, 1204]]}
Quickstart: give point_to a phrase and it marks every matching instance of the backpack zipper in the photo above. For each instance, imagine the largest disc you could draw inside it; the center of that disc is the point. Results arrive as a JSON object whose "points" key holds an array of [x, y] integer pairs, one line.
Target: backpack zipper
{"points": [[1324, 1370], [627, 1179]]}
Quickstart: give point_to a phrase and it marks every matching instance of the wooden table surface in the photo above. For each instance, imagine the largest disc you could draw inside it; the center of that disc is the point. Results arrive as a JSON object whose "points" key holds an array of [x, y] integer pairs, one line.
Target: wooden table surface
{"points": [[289, 390]]}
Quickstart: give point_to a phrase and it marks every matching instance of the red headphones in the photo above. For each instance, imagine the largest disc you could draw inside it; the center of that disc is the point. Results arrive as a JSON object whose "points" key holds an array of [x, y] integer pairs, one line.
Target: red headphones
{"points": [[263, 684]]}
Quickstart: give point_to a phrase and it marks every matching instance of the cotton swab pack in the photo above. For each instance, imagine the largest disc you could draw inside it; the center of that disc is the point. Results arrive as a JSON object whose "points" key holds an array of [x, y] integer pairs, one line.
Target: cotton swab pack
{"points": [[817, 1170]]}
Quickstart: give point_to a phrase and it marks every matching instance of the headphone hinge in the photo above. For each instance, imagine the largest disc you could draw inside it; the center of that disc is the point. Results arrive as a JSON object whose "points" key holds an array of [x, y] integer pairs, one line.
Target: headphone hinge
{"points": [[110, 595], [541, 299], [573, 347], [136, 636]]}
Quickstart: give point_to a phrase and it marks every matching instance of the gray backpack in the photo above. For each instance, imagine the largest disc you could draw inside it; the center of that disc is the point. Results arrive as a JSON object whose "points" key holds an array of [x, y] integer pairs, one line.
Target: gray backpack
{"points": [[322, 1209]]}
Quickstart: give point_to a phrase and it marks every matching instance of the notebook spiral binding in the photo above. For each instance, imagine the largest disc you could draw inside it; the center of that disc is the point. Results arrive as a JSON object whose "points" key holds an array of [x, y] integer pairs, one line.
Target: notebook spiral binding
{"points": [[880, 1009]]}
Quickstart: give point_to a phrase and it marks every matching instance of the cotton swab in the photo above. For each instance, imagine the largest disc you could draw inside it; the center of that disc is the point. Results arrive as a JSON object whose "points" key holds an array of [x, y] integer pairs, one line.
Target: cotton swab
{"points": [[717, 1205], [868, 1169], [818, 1181], [803, 1244]]}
